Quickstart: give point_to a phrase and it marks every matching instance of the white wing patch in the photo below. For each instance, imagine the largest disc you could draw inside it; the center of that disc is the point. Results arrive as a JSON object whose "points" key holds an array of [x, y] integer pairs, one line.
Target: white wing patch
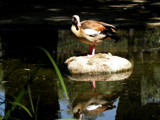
{"points": [[92, 107], [91, 32]]}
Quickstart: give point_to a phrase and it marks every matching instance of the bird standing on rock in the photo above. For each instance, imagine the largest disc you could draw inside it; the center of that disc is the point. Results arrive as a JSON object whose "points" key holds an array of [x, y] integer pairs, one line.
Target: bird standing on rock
{"points": [[92, 32]]}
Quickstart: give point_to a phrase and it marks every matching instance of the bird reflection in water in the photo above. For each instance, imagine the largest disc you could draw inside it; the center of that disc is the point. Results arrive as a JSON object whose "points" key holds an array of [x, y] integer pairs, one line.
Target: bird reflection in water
{"points": [[91, 103], [93, 85], [94, 102]]}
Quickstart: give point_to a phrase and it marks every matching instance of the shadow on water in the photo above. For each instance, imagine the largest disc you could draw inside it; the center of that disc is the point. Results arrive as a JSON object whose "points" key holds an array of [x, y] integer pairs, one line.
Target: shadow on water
{"points": [[28, 38], [124, 12], [131, 96]]}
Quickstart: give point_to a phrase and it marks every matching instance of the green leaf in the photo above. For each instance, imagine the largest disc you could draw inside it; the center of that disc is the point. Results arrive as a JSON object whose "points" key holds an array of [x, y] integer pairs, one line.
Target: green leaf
{"points": [[22, 106], [36, 118], [30, 98], [57, 70]]}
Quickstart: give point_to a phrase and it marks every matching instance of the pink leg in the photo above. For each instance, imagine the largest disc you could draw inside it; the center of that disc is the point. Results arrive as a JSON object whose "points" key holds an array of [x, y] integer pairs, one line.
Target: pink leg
{"points": [[90, 47], [94, 84], [93, 51]]}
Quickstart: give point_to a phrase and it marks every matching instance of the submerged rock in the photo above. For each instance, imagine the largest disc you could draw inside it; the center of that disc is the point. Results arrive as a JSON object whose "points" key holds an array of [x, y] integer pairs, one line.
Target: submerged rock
{"points": [[98, 64]]}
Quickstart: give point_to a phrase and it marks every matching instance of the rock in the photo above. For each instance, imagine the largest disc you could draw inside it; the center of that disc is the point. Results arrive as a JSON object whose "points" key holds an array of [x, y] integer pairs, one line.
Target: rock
{"points": [[101, 77], [98, 64]]}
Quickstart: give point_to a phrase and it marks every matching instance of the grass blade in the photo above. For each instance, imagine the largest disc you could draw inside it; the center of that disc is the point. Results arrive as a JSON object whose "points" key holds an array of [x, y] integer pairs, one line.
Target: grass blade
{"points": [[21, 94], [36, 118], [57, 70], [30, 98], [3, 43], [22, 106]]}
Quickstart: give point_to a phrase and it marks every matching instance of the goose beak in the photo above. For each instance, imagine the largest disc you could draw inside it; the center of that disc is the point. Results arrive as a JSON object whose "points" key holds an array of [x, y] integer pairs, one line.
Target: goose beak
{"points": [[79, 24]]}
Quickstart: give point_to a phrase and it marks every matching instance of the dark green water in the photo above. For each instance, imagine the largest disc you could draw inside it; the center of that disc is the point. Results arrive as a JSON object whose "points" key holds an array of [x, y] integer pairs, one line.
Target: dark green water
{"points": [[133, 96]]}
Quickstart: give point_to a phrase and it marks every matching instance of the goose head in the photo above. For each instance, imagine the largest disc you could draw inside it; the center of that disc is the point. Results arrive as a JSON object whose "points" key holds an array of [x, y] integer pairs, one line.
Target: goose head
{"points": [[76, 21]]}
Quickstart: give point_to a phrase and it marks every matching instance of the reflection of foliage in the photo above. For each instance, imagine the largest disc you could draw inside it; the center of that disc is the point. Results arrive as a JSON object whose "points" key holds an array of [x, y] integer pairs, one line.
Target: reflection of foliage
{"points": [[150, 84], [152, 38]]}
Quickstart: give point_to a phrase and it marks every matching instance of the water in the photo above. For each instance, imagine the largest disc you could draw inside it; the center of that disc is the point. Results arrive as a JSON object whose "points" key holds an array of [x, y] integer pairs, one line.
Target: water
{"points": [[133, 96]]}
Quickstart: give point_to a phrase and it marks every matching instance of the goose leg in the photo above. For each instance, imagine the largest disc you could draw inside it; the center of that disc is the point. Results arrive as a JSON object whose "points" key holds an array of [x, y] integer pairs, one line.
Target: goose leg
{"points": [[93, 51], [94, 84]]}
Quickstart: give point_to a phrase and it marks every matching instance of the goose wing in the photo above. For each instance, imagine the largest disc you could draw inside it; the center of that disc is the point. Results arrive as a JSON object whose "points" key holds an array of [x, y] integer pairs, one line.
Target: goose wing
{"points": [[94, 27]]}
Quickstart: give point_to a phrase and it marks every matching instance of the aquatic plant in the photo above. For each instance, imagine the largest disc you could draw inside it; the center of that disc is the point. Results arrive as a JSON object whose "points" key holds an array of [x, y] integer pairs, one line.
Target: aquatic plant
{"points": [[26, 88], [21, 95], [57, 70], [17, 100]]}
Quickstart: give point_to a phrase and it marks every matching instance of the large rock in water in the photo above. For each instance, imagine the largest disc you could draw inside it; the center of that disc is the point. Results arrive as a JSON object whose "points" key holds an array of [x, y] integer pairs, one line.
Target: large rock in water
{"points": [[98, 64]]}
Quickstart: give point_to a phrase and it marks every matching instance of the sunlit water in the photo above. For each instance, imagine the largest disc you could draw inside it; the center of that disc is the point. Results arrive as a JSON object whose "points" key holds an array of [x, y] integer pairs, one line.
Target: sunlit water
{"points": [[137, 97]]}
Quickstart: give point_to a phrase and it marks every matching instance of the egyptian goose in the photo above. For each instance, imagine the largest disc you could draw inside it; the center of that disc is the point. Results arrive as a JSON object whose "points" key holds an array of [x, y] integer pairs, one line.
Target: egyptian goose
{"points": [[92, 32], [91, 103]]}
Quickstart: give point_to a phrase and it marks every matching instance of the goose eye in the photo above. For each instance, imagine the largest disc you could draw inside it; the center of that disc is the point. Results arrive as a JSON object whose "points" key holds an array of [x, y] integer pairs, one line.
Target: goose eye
{"points": [[74, 20]]}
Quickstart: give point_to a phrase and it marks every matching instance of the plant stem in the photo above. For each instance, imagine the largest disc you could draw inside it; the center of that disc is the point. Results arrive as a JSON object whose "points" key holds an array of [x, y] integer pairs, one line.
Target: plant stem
{"points": [[57, 70]]}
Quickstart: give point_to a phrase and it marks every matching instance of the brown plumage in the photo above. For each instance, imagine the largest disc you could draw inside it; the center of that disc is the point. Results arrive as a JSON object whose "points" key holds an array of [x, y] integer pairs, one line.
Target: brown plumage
{"points": [[92, 32]]}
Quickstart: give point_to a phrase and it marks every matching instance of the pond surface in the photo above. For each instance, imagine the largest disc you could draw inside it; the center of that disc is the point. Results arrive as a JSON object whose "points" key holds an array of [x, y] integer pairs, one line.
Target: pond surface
{"points": [[134, 95]]}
